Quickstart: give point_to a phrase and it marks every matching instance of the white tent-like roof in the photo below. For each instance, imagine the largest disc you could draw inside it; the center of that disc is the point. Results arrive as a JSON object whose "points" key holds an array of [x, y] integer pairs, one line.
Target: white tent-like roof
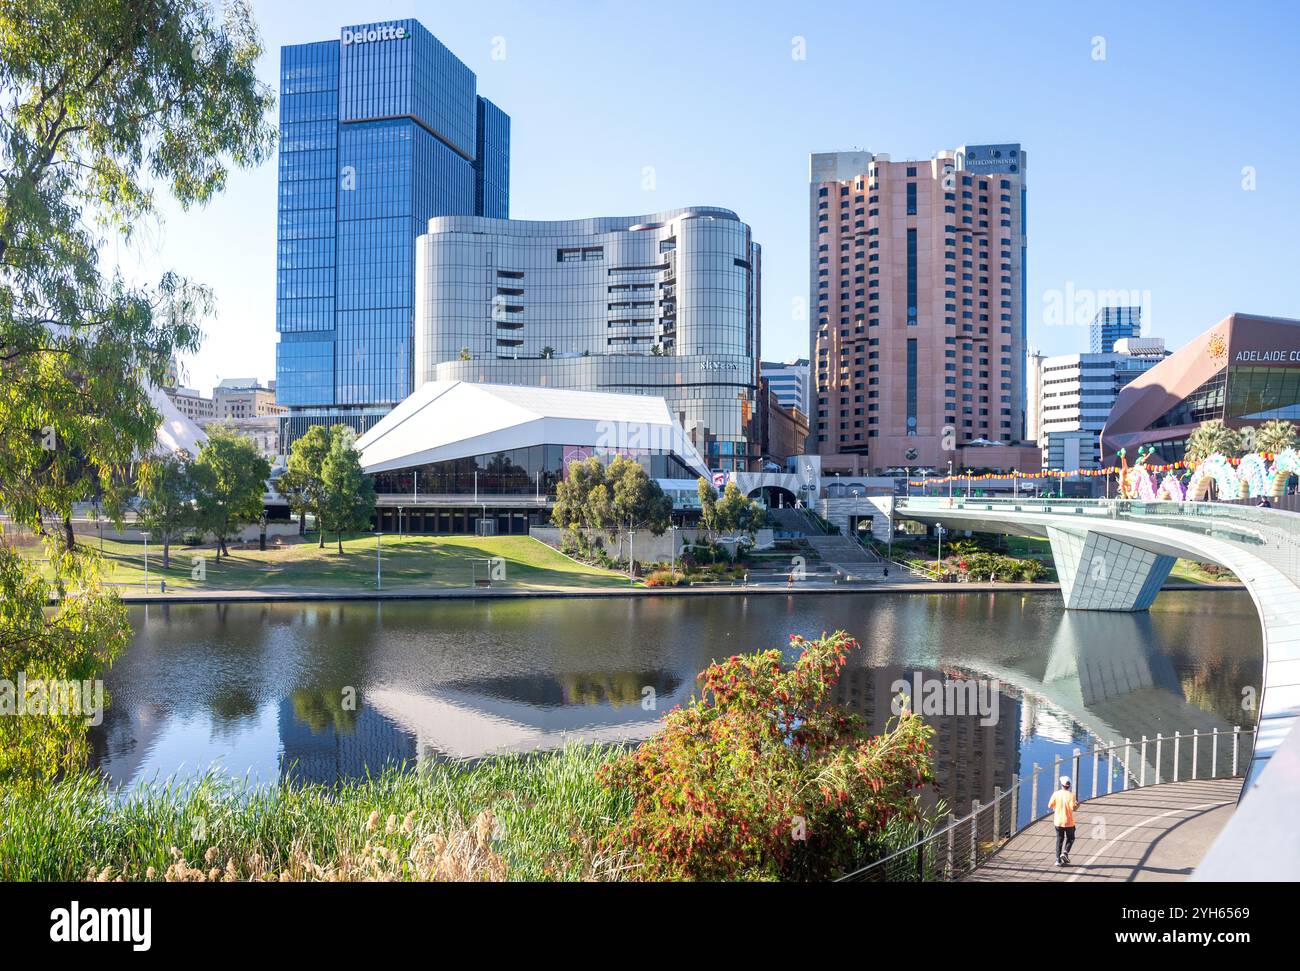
{"points": [[445, 420], [176, 433]]}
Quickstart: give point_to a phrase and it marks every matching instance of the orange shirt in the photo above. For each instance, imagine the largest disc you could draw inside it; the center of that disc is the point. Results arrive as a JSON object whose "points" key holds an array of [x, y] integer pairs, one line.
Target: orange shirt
{"points": [[1065, 803]]}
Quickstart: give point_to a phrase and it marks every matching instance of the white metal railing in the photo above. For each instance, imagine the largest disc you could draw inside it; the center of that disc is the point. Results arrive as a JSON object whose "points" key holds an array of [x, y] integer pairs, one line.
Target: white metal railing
{"points": [[964, 843]]}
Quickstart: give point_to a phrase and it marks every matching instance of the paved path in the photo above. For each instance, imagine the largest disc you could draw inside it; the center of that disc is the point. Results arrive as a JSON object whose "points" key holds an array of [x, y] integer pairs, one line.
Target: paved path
{"points": [[1160, 833], [893, 584]]}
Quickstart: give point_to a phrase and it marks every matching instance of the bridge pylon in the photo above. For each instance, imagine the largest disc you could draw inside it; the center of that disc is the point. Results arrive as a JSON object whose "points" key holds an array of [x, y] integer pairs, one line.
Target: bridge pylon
{"points": [[1099, 572]]}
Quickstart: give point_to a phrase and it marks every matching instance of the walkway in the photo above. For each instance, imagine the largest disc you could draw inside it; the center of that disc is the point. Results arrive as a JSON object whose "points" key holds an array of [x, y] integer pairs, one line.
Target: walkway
{"points": [[1160, 833]]}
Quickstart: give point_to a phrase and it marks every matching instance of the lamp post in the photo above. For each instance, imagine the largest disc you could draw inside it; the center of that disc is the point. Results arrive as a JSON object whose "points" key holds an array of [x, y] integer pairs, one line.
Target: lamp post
{"points": [[950, 478], [146, 561], [939, 532], [672, 536], [379, 561]]}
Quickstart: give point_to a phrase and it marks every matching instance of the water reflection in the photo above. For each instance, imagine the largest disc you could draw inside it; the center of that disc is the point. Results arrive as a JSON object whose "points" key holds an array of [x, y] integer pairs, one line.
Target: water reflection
{"points": [[321, 692]]}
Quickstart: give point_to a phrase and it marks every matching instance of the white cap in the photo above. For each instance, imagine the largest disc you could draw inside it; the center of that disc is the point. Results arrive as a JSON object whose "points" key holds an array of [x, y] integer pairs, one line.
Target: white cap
{"points": [[1065, 780]]}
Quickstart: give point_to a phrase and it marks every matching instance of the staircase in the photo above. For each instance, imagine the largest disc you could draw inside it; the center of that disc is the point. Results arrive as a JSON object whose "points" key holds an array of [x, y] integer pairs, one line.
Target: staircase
{"points": [[845, 553]]}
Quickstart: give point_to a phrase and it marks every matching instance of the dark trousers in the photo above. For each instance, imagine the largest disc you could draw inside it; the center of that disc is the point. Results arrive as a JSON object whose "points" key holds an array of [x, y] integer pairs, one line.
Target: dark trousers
{"points": [[1064, 834]]}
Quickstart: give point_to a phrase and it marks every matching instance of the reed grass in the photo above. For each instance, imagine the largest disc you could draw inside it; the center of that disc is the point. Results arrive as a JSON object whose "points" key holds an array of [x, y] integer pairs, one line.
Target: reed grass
{"points": [[516, 817]]}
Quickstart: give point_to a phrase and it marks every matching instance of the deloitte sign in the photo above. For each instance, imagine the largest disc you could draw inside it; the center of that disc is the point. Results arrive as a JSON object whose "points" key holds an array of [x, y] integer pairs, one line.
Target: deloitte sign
{"points": [[368, 35]]}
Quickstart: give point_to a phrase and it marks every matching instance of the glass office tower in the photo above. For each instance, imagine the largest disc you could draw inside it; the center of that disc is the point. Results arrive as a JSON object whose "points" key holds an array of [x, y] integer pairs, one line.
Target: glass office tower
{"points": [[381, 130]]}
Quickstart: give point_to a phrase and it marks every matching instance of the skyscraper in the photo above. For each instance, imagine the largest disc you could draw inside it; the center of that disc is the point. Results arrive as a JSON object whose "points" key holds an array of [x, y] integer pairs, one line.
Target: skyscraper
{"points": [[1112, 324], [380, 130], [916, 278]]}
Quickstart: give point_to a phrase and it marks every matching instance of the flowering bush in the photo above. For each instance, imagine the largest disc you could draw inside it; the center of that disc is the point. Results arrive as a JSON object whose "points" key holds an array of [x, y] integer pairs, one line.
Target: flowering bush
{"points": [[665, 578], [761, 777]]}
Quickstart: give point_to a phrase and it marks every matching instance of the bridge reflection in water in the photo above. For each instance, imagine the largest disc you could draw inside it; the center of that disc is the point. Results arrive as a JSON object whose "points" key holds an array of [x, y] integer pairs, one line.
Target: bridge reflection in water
{"points": [[1115, 554]]}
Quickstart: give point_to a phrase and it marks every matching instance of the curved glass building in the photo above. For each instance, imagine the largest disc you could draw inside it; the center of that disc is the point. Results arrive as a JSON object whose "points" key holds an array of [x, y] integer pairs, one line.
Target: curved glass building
{"points": [[664, 304]]}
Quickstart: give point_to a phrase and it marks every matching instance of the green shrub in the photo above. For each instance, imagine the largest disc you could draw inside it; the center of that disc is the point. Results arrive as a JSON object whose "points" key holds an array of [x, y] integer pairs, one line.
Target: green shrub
{"points": [[665, 578], [763, 778]]}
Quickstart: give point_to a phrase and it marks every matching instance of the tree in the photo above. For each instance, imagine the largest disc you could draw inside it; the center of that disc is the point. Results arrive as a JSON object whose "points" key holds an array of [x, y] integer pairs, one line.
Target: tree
{"points": [[1275, 435], [301, 482], [609, 499], [348, 493], [729, 515], [1213, 437], [763, 777], [548, 352], [167, 506], [229, 484], [104, 106]]}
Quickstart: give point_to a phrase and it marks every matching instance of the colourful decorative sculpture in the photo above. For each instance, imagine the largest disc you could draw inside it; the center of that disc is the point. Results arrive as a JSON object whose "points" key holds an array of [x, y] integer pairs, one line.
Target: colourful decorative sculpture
{"points": [[1252, 476], [1218, 470], [1285, 464], [1171, 488]]}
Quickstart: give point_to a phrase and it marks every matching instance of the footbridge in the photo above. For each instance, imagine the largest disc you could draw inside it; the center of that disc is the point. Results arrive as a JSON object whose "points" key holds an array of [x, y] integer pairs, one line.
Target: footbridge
{"points": [[1116, 554]]}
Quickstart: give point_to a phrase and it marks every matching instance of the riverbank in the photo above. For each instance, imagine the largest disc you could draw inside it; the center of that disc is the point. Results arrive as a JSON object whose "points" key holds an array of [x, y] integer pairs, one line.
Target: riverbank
{"points": [[506, 593], [513, 817]]}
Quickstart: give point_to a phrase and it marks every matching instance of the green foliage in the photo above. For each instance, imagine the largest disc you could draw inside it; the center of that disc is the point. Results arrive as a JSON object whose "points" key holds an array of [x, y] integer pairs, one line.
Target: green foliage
{"points": [[301, 482], [610, 498], [102, 104], [167, 503], [348, 494], [1275, 435], [993, 566], [666, 578], [729, 515], [72, 640], [229, 479], [547, 811], [762, 777], [1213, 436]]}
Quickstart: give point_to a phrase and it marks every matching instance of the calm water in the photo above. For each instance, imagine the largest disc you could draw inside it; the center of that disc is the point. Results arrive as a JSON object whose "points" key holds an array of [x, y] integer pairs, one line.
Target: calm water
{"points": [[261, 689]]}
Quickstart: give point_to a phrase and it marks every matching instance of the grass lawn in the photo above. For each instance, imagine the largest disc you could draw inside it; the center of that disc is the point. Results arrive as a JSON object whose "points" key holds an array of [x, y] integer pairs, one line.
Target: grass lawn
{"points": [[408, 561]]}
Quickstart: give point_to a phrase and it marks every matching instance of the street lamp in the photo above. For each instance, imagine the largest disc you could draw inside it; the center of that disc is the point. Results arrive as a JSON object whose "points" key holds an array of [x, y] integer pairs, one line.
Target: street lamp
{"points": [[379, 561], [146, 561], [950, 479]]}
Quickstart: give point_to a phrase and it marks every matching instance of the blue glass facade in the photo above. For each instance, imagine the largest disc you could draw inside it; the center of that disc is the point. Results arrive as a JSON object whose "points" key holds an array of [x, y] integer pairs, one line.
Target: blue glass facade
{"points": [[380, 131]]}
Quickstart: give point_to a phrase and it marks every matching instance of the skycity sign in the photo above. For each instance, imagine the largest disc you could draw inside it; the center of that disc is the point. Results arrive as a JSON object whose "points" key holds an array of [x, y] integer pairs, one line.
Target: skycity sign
{"points": [[368, 35]]}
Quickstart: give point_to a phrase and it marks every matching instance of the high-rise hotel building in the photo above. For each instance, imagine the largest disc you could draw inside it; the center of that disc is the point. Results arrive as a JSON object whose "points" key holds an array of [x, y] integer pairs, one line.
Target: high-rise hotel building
{"points": [[381, 129], [917, 276]]}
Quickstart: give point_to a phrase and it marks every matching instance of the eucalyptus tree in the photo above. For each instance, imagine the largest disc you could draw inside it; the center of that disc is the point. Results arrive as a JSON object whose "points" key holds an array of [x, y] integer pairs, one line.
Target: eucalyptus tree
{"points": [[105, 106]]}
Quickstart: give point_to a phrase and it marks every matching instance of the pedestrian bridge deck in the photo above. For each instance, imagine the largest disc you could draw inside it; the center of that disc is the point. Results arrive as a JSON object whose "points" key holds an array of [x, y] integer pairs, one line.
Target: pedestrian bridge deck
{"points": [[1157, 833]]}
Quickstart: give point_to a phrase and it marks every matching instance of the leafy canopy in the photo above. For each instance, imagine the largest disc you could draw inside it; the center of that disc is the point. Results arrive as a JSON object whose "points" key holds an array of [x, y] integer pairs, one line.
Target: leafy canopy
{"points": [[103, 104], [762, 776]]}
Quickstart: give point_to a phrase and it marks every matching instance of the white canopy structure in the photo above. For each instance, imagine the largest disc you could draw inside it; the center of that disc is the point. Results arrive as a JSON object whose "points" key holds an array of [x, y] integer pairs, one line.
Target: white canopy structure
{"points": [[176, 433], [445, 420]]}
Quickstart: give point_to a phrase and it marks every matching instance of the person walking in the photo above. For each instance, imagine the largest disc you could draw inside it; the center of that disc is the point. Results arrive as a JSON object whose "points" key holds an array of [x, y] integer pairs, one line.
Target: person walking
{"points": [[1064, 802]]}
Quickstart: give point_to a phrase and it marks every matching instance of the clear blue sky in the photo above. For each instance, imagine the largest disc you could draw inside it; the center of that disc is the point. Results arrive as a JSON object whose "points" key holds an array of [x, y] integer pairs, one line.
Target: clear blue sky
{"points": [[1134, 162]]}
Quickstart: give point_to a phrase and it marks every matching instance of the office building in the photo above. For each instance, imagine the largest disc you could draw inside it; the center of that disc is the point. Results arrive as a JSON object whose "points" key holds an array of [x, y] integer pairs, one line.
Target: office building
{"points": [[789, 381], [665, 305], [238, 398], [1077, 392], [380, 129], [1244, 370], [1112, 324], [190, 403], [916, 273]]}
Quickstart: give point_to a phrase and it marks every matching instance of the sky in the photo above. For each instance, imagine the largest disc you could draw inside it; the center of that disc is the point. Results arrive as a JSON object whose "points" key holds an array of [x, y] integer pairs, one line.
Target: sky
{"points": [[1162, 141]]}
